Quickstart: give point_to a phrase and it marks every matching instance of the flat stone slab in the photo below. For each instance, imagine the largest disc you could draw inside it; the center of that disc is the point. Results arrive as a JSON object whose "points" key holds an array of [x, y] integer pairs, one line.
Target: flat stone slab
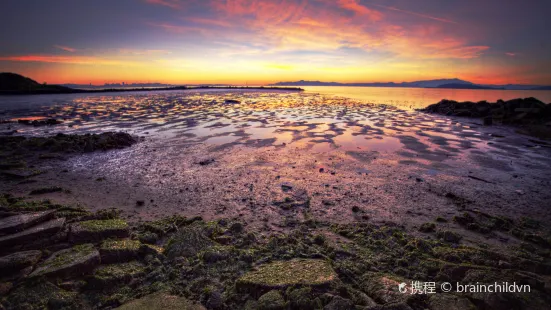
{"points": [[118, 251], [161, 301], [21, 222], [98, 230], [78, 260], [17, 261], [281, 274], [39, 231]]}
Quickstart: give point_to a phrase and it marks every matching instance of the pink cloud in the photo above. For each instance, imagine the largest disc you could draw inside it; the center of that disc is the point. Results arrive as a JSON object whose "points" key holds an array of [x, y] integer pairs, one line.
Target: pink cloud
{"points": [[174, 4], [511, 54], [66, 48], [82, 60], [416, 14]]}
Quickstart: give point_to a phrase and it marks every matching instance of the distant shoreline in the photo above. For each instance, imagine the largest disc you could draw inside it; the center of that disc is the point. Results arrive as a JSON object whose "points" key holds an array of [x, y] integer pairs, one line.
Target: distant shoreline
{"points": [[115, 90]]}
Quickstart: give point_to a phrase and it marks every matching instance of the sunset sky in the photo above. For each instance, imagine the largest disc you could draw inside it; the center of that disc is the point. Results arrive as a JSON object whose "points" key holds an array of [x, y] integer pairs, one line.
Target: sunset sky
{"points": [[259, 42]]}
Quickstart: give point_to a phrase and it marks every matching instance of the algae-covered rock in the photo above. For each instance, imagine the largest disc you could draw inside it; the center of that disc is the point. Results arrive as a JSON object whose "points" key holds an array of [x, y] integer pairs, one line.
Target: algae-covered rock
{"points": [[281, 274], [40, 295], [107, 276], [113, 251], [20, 222], [188, 242], [37, 232], [450, 301], [161, 301], [339, 303], [15, 262], [272, 301], [302, 298], [383, 289], [75, 261], [97, 230]]}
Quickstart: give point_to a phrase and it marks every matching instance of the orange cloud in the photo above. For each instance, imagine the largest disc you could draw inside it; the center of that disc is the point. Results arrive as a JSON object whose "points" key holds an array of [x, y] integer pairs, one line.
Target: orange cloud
{"points": [[357, 8]]}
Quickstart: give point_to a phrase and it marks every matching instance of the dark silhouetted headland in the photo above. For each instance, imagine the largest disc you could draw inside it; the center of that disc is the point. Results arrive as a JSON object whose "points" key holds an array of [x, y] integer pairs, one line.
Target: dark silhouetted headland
{"points": [[15, 84]]}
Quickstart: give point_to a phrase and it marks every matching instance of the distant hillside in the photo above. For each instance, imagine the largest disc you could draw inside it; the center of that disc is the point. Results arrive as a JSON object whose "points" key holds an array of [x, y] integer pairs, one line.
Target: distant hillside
{"points": [[542, 88], [12, 83], [439, 83], [465, 86]]}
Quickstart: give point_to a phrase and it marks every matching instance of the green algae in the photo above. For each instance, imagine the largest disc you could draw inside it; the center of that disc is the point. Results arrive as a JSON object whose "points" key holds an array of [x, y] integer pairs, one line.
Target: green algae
{"points": [[309, 272], [101, 225]]}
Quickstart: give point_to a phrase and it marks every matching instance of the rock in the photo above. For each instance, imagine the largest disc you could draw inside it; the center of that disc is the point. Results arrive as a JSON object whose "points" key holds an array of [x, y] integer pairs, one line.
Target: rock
{"points": [[77, 260], [488, 121], [17, 261], [118, 251], [282, 274], [107, 276], [427, 227], [339, 303], [272, 301], [188, 242], [35, 233], [21, 222], [231, 101], [384, 289], [449, 236], [355, 209], [97, 230], [302, 298], [161, 301], [5, 288], [40, 295], [449, 301]]}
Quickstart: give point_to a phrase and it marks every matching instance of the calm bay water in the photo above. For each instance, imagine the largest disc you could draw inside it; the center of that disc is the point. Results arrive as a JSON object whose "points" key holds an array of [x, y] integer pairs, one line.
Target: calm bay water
{"points": [[421, 97]]}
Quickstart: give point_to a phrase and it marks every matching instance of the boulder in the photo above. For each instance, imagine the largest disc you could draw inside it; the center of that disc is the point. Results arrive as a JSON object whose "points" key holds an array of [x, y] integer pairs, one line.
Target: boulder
{"points": [[282, 274], [107, 276], [17, 261], [118, 251], [161, 301], [40, 295], [78, 260], [98, 230], [188, 242], [21, 222], [273, 300], [450, 301], [35, 233], [339, 303]]}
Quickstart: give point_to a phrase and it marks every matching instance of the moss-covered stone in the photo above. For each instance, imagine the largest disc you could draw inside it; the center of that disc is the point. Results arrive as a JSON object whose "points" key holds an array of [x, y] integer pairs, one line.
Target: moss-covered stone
{"points": [[119, 250], [427, 227], [450, 301], [40, 295], [273, 300], [107, 276], [281, 274], [188, 242], [97, 230], [303, 298], [15, 262], [161, 301], [449, 236], [78, 260]]}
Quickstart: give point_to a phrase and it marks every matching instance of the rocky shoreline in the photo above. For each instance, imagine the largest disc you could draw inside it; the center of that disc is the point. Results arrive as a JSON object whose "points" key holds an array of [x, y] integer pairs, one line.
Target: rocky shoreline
{"points": [[56, 256], [79, 260], [532, 115]]}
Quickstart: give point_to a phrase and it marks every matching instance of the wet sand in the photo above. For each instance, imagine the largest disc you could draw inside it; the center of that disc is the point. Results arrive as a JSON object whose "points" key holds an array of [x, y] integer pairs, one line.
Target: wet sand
{"points": [[278, 159]]}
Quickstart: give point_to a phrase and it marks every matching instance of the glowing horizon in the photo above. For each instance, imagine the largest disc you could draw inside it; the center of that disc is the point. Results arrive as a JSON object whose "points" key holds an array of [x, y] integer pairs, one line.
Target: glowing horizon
{"points": [[263, 42]]}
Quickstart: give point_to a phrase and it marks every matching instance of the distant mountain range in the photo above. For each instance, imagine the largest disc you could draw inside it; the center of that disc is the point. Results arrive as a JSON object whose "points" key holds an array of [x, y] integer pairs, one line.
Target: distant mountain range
{"points": [[440, 83]]}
